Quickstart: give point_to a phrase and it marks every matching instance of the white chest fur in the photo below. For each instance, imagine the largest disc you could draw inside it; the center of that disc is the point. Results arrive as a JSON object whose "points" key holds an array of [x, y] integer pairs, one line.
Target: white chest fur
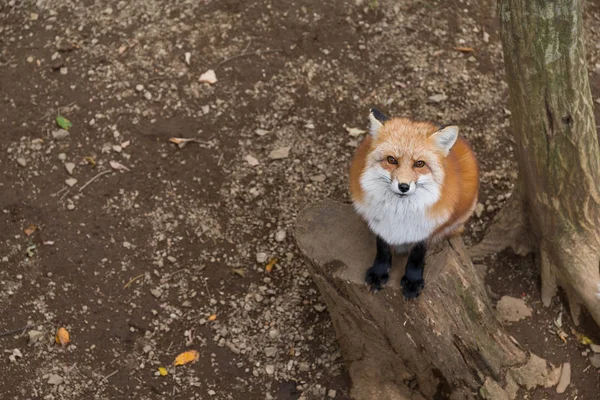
{"points": [[397, 220]]}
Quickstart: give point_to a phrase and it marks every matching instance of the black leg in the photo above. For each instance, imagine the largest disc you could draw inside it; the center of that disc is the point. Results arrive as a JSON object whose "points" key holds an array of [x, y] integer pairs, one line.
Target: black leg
{"points": [[412, 282], [378, 274]]}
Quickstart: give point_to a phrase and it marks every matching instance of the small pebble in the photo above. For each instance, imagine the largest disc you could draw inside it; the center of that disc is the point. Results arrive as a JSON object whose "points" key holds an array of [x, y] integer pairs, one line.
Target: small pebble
{"points": [[273, 333], [261, 257], [332, 393], [55, 379], [252, 161], [22, 162], [62, 157], [156, 292], [270, 369], [70, 167], [280, 236], [139, 88], [60, 134], [270, 351], [148, 95], [71, 182], [280, 153]]}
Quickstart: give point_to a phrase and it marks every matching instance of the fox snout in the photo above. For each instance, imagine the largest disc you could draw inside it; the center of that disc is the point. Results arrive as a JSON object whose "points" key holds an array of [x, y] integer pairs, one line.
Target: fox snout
{"points": [[403, 188]]}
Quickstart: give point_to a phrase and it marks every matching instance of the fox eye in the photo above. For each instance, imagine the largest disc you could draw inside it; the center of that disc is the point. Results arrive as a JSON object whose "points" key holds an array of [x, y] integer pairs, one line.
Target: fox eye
{"points": [[392, 160], [419, 164]]}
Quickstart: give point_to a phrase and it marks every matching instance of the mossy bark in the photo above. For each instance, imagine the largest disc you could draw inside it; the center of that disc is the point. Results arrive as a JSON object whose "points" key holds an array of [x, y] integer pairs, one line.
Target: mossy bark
{"points": [[557, 144]]}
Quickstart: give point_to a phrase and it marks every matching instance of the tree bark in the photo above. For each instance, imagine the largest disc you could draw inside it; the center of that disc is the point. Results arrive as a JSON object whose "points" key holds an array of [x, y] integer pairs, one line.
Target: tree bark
{"points": [[557, 144], [445, 344]]}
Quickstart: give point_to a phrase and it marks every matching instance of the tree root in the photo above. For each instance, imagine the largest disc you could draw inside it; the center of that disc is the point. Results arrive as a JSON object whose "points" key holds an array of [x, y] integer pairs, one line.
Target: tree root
{"points": [[507, 230]]}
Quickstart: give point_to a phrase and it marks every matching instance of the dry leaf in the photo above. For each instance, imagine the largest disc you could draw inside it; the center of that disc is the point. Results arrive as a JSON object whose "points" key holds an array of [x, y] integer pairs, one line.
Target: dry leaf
{"points": [[163, 371], [212, 317], [187, 357], [208, 77], [62, 337], [582, 338], [30, 229], [465, 49], [90, 160], [271, 264], [355, 132], [240, 271], [118, 166]]}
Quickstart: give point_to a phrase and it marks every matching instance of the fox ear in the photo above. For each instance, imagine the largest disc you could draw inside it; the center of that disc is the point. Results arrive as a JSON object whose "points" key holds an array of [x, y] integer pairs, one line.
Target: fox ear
{"points": [[445, 138], [376, 120]]}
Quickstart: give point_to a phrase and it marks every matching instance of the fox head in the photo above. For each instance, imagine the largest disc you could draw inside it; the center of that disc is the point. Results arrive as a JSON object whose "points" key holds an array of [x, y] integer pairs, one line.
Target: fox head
{"points": [[406, 160]]}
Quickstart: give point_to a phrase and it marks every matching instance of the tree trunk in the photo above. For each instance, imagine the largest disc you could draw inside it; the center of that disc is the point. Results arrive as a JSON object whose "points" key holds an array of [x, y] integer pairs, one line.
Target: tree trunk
{"points": [[557, 144], [445, 344]]}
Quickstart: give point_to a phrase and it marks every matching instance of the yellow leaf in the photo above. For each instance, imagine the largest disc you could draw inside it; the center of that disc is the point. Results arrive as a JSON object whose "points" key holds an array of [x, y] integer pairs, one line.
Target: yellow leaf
{"points": [[271, 264], [163, 371], [212, 317], [187, 357], [582, 338], [62, 337], [90, 161], [30, 229]]}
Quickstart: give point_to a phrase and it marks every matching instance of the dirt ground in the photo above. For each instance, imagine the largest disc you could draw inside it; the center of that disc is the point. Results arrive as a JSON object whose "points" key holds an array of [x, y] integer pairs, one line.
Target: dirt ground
{"points": [[135, 262]]}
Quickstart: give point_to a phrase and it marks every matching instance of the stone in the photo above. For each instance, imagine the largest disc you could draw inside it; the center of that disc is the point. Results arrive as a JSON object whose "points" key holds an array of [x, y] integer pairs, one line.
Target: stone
{"points": [[70, 167], [22, 162], [71, 182], [565, 378], [280, 153], [280, 235], [55, 379], [156, 292], [60, 134], [511, 309], [252, 161]]}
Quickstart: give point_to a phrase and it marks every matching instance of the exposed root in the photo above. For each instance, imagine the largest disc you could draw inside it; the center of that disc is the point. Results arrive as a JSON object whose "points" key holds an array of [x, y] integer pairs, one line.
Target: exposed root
{"points": [[506, 230], [548, 276]]}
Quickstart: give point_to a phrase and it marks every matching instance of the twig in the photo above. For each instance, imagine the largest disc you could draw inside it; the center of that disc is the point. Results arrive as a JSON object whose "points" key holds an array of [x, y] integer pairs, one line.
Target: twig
{"points": [[249, 53], [60, 191], [109, 375], [94, 178], [25, 328], [166, 278], [63, 196], [133, 280], [207, 291]]}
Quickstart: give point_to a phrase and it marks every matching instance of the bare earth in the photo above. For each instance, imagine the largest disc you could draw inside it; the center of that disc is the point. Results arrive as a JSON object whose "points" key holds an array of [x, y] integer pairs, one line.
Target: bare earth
{"points": [[134, 263]]}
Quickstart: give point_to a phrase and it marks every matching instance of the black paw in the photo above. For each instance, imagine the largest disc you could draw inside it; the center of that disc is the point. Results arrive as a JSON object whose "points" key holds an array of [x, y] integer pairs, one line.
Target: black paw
{"points": [[377, 277], [412, 289]]}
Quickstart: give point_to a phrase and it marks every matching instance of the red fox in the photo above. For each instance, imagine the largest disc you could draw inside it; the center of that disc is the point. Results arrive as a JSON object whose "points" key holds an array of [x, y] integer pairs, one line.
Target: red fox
{"points": [[413, 183]]}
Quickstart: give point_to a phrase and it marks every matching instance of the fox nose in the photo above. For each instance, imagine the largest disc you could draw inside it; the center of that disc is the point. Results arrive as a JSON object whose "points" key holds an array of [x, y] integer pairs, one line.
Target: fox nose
{"points": [[404, 187]]}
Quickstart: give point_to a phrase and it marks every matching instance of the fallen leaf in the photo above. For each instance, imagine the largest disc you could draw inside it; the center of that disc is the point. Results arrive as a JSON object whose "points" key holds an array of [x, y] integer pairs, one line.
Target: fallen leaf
{"points": [[208, 77], [182, 141], [30, 229], [63, 122], [163, 371], [90, 160], [212, 317], [271, 264], [187, 357], [118, 166], [30, 250], [464, 49], [355, 132], [240, 271], [582, 338], [62, 337]]}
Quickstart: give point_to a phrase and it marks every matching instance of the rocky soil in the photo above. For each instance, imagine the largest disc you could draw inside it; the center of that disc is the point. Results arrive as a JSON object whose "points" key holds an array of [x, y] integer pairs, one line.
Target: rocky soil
{"points": [[144, 246]]}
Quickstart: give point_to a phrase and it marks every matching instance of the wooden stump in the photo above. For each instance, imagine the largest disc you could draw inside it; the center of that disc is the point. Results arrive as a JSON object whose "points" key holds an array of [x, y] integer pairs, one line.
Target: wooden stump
{"points": [[445, 344]]}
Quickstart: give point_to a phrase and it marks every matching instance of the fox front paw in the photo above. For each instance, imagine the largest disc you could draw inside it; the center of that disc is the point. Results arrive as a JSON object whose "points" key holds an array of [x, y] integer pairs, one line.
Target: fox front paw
{"points": [[412, 289], [377, 277]]}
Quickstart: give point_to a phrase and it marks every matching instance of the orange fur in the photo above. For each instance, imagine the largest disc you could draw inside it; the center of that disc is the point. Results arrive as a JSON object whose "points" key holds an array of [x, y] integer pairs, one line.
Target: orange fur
{"points": [[400, 137]]}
